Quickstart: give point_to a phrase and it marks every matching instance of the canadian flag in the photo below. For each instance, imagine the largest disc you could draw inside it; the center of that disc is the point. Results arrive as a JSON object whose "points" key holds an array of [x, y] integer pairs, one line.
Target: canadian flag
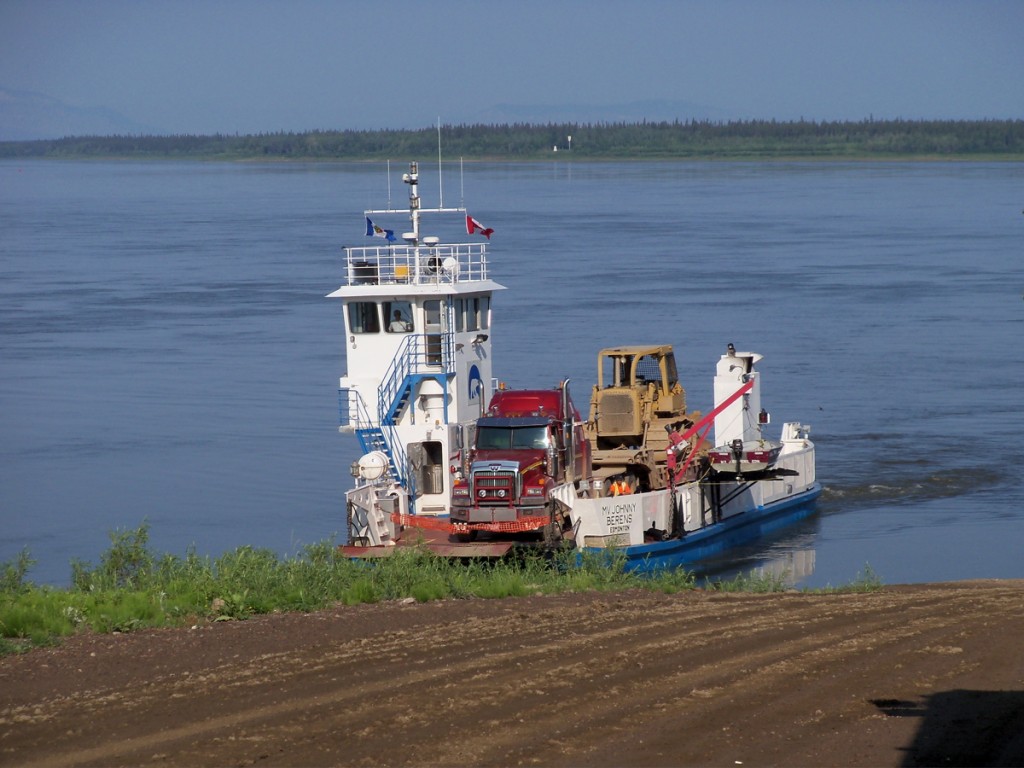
{"points": [[473, 226]]}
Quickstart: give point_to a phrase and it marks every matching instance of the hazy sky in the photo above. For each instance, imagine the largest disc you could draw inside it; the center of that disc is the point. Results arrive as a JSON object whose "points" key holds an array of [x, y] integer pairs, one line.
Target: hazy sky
{"points": [[204, 66]]}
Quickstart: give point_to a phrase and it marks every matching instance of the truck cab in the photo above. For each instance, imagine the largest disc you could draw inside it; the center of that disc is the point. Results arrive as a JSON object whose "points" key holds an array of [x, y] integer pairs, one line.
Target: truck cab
{"points": [[529, 443]]}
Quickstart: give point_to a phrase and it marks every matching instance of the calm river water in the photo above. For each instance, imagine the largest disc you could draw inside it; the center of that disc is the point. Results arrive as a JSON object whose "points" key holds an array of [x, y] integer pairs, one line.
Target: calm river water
{"points": [[167, 353]]}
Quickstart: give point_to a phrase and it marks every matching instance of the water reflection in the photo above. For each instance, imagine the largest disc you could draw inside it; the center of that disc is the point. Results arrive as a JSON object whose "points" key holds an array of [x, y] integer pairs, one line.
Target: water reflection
{"points": [[788, 557]]}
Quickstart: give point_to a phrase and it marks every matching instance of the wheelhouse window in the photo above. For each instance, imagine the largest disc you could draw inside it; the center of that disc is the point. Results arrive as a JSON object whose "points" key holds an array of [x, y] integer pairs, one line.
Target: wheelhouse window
{"points": [[433, 328], [485, 313], [477, 311], [460, 315], [399, 316], [363, 317]]}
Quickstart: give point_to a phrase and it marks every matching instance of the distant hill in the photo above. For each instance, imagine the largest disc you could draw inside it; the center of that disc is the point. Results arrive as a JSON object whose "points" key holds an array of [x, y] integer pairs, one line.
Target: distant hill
{"points": [[26, 115], [740, 140]]}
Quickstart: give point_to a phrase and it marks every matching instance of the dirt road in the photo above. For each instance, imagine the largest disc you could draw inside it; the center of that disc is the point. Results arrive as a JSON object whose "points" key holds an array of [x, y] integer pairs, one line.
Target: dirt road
{"points": [[922, 675]]}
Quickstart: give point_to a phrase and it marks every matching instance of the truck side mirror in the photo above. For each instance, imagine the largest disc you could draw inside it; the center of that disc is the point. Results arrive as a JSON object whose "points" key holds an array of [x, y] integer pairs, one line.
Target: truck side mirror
{"points": [[457, 436], [552, 462]]}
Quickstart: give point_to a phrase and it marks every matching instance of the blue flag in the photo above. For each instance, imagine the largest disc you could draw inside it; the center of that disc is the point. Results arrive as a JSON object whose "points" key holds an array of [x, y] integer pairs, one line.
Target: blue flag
{"points": [[372, 230]]}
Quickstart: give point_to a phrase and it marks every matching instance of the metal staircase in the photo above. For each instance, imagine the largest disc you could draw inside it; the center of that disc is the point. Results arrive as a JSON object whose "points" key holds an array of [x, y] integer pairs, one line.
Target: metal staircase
{"points": [[408, 369], [371, 436], [404, 393], [411, 366]]}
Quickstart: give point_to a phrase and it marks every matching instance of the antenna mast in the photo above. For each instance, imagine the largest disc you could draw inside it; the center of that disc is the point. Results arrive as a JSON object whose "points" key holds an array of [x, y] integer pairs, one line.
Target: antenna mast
{"points": [[412, 178], [440, 187]]}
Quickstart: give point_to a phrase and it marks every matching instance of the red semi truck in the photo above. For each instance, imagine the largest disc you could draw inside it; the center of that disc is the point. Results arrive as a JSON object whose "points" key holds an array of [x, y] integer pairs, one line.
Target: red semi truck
{"points": [[529, 443]]}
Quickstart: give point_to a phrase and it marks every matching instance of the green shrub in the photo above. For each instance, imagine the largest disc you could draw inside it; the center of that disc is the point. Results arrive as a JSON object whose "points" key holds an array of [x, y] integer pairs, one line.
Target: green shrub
{"points": [[12, 573], [127, 564]]}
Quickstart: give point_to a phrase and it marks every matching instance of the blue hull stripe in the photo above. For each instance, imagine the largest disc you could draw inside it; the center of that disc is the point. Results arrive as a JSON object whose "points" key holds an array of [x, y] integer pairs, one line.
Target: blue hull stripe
{"points": [[720, 537]]}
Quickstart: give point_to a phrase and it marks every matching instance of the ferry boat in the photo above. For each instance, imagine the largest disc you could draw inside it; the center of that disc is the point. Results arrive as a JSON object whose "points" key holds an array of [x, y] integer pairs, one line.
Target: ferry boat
{"points": [[455, 462]]}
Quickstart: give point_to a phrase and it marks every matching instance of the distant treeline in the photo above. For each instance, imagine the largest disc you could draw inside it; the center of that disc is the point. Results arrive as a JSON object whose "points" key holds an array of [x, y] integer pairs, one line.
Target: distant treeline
{"points": [[695, 139]]}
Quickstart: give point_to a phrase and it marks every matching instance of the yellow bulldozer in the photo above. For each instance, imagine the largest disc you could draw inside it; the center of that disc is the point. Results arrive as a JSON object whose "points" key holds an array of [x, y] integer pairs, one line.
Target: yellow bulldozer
{"points": [[636, 403]]}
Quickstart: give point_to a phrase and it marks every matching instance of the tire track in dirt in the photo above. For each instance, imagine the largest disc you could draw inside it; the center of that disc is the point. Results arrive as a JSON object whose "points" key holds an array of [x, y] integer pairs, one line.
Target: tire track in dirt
{"points": [[347, 664], [563, 680], [820, 690], [267, 674], [634, 696]]}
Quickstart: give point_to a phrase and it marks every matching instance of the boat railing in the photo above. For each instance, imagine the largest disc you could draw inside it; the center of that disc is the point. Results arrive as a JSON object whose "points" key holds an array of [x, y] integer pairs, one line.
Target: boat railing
{"points": [[447, 263], [398, 458], [353, 415]]}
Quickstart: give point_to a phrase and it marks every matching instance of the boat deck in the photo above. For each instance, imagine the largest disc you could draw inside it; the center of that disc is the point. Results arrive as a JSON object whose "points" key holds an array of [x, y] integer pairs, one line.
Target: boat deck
{"points": [[436, 542]]}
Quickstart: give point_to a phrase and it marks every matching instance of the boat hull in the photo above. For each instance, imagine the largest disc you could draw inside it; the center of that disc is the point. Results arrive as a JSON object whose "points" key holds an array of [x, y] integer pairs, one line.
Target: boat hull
{"points": [[696, 547], [715, 539]]}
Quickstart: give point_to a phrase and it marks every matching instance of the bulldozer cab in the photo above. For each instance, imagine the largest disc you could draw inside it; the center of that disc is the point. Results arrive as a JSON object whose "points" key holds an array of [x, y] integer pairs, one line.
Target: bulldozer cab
{"points": [[635, 386]]}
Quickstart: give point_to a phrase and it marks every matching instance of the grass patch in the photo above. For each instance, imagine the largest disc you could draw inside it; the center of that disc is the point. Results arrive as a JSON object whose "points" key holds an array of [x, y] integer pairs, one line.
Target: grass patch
{"points": [[764, 583], [865, 581], [754, 583], [132, 587]]}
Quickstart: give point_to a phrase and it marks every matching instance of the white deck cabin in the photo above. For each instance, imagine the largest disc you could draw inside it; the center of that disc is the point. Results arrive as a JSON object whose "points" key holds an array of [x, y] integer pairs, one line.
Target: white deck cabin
{"points": [[417, 317]]}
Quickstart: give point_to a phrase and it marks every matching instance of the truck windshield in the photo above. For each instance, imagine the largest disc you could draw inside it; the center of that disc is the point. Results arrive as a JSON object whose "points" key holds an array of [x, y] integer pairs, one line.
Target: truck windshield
{"points": [[489, 438]]}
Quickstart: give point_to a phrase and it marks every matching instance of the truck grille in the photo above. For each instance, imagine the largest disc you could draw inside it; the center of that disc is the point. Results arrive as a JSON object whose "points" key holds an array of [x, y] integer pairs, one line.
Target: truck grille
{"points": [[495, 487]]}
